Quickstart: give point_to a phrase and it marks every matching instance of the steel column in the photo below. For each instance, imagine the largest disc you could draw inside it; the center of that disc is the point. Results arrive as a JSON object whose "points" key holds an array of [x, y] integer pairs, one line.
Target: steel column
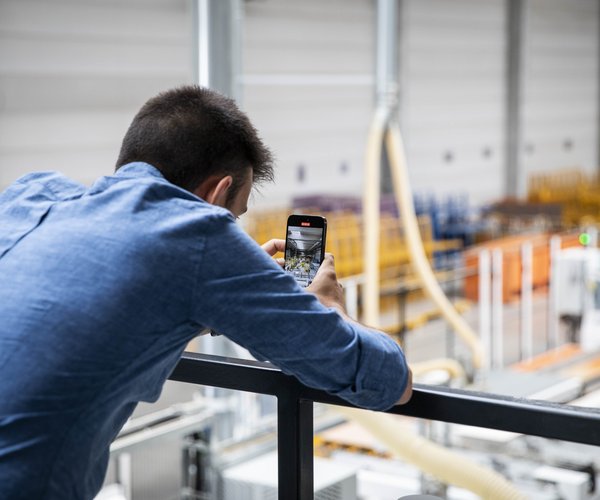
{"points": [[217, 44], [514, 96]]}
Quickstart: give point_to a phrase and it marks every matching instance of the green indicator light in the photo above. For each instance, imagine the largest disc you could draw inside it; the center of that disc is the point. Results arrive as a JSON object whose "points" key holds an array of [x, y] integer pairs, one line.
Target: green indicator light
{"points": [[584, 239]]}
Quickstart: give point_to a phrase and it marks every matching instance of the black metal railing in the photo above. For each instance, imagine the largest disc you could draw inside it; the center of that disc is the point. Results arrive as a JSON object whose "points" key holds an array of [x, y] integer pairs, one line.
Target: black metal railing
{"points": [[295, 412]]}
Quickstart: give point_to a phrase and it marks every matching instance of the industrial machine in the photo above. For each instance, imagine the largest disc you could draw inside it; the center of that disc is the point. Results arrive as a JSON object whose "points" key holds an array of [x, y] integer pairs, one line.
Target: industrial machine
{"points": [[578, 288]]}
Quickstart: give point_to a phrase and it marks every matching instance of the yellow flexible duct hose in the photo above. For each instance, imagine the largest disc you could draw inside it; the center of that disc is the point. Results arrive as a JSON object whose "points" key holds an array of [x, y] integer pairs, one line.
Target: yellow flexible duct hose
{"points": [[419, 260], [450, 366], [371, 218], [445, 465]]}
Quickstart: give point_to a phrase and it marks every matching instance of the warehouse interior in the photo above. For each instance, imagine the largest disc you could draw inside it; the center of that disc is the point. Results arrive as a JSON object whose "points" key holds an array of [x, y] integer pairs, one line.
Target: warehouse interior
{"points": [[453, 147]]}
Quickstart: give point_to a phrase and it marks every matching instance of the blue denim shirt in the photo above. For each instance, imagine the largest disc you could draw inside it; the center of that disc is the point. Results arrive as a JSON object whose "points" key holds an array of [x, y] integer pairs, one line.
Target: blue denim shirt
{"points": [[101, 288]]}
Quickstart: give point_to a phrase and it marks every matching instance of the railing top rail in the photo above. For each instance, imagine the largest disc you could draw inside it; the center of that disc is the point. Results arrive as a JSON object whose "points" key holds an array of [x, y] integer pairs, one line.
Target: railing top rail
{"points": [[525, 416]]}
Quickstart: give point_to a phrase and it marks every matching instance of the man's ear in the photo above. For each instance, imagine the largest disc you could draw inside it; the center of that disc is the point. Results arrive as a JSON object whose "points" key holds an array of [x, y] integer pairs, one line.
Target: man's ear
{"points": [[214, 190]]}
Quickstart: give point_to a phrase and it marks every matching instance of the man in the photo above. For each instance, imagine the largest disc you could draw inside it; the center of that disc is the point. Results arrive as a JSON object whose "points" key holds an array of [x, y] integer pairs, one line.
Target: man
{"points": [[101, 288]]}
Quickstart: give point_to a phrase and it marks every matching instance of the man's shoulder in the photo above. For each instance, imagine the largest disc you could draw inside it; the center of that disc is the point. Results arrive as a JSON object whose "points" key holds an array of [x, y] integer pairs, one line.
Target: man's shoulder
{"points": [[48, 185], [24, 203]]}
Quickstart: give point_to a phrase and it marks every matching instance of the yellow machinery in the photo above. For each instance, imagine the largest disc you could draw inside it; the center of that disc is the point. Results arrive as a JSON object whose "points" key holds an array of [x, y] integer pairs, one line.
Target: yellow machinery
{"points": [[577, 192]]}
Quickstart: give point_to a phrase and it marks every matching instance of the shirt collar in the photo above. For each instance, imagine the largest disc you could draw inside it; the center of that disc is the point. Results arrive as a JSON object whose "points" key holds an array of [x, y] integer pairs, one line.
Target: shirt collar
{"points": [[138, 169]]}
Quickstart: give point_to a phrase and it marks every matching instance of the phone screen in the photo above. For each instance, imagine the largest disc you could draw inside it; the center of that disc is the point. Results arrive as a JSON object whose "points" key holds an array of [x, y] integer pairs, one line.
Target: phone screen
{"points": [[304, 246]]}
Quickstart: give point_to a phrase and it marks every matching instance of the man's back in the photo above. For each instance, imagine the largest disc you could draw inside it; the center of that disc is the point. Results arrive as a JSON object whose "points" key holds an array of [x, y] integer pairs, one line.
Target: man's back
{"points": [[91, 280]]}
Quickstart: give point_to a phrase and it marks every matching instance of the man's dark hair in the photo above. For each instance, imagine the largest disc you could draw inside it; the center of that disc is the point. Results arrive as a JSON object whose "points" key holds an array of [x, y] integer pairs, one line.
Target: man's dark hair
{"points": [[190, 133]]}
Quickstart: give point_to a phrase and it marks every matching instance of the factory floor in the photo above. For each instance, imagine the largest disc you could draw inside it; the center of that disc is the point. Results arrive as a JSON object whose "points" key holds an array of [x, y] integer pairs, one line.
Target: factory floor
{"points": [[432, 340], [435, 339]]}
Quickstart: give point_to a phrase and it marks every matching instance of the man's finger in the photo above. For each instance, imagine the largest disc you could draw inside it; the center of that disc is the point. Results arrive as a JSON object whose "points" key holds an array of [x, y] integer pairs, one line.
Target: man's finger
{"points": [[328, 260], [327, 267], [274, 246]]}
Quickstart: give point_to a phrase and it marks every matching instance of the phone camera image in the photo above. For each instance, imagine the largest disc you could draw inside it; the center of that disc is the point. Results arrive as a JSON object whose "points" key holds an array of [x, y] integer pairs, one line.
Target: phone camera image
{"points": [[304, 251]]}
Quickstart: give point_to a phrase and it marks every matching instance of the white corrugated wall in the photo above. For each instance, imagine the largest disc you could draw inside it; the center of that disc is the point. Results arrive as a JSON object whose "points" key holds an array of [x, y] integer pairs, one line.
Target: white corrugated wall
{"points": [[308, 85], [73, 73], [453, 72], [560, 104]]}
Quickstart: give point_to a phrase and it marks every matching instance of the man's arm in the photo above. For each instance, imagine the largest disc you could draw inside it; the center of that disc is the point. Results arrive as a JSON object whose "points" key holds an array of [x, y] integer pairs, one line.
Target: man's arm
{"points": [[329, 291], [244, 294]]}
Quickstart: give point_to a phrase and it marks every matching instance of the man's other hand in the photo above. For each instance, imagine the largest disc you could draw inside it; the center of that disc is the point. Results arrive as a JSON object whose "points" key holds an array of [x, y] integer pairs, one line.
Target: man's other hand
{"points": [[326, 286], [405, 398], [274, 246]]}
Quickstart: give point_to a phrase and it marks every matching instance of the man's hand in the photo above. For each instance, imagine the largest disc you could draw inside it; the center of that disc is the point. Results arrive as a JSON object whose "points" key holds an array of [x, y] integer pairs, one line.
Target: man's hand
{"points": [[331, 294], [326, 286], [405, 398], [274, 246]]}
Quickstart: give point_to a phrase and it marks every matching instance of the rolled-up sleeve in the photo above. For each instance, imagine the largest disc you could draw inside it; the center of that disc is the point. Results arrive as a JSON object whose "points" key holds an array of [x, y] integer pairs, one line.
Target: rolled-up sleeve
{"points": [[242, 293], [381, 374]]}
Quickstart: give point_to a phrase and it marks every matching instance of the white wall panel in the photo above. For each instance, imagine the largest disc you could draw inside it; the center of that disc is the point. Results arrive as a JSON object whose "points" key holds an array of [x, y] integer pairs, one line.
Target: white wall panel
{"points": [[96, 57], [452, 66], [560, 104], [80, 144], [330, 36], [73, 74], [308, 87], [121, 20]]}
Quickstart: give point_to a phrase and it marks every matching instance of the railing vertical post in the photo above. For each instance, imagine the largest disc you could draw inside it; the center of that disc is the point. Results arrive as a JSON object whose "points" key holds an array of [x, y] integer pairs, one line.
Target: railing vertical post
{"points": [[485, 319], [295, 447], [497, 309], [553, 326], [526, 334]]}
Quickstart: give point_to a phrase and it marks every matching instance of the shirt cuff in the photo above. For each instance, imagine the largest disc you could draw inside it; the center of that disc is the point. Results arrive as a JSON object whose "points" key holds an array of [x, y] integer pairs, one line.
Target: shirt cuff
{"points": [[381, 375]]}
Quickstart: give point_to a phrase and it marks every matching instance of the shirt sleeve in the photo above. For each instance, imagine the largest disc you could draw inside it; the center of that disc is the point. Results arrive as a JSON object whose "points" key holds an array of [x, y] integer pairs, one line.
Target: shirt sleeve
{"points": [[242, 293]]}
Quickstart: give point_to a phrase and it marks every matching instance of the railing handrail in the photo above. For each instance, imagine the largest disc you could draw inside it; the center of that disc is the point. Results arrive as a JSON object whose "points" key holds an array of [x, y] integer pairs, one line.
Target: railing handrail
{"points": [[521, 415], [295, 424]]}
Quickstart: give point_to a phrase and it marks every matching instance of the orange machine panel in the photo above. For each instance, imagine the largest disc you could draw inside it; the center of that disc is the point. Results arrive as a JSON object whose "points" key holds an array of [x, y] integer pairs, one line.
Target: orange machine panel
{"points": [[511, 262]]}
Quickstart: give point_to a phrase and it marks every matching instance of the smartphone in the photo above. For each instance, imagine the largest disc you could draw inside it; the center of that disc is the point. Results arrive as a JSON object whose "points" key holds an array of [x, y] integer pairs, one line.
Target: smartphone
{"points": [[304, 246]]}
